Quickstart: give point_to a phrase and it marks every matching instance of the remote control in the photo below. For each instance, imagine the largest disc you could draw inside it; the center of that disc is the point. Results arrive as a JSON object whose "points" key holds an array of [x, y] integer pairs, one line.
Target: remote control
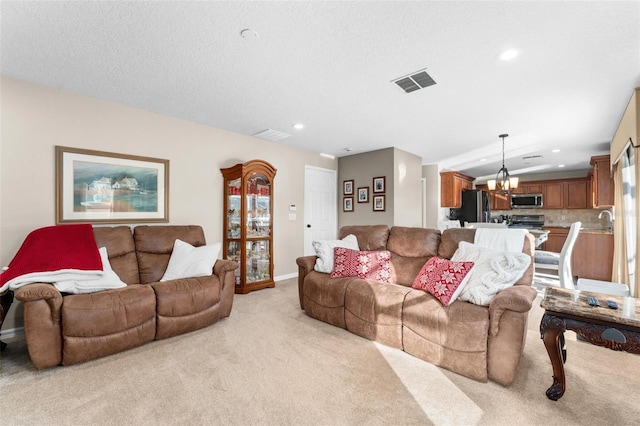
{"points": [[592, 301], [612, 304]]}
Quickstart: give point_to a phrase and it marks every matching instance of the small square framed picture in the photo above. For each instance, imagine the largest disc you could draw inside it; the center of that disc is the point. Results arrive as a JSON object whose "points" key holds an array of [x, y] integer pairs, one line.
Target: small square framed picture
{"points": [[363, 194], [347, 204], [379, 184], [347, 187], [378, 203]]}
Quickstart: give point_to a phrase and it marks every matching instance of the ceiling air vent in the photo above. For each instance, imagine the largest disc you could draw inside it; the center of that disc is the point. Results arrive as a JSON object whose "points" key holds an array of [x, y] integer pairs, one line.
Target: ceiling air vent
{"points": [[271, 135], [416, 81], [532, 158]]}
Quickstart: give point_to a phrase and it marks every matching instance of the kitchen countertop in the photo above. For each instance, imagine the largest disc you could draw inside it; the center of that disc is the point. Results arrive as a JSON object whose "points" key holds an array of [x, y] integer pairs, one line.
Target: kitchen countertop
{"points": [[585, 230]]}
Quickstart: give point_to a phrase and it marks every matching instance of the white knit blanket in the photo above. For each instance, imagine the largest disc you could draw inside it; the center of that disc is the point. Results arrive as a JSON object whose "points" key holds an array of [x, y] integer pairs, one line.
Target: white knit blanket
{"points": [[492, 272], [501, 239]]}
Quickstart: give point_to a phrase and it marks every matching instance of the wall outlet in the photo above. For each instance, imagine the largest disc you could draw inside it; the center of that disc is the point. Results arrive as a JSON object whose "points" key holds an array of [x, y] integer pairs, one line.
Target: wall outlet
{"points": [[563, 217]]}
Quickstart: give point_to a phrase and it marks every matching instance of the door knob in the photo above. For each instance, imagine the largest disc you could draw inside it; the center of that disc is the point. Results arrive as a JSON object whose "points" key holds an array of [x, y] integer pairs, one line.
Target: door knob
{"points": [[308, 225]]}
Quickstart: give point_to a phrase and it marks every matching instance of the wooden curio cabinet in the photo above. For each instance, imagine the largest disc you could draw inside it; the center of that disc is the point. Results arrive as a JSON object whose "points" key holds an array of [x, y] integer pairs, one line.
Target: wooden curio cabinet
{"points": [[248, 223]]}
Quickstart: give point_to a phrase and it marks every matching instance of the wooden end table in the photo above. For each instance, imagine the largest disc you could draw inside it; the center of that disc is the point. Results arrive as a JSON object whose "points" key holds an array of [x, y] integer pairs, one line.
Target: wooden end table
{"points": [[616, 329]]}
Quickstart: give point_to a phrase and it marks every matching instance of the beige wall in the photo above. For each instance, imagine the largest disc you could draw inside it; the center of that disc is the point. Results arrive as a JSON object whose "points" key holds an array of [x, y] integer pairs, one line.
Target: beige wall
{"points": [[407, 189], [433, 212], [35, 119]]}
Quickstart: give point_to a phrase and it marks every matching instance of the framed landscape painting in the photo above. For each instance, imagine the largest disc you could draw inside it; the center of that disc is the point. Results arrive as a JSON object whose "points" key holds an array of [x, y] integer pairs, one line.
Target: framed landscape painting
{"points": [[105, 187]]}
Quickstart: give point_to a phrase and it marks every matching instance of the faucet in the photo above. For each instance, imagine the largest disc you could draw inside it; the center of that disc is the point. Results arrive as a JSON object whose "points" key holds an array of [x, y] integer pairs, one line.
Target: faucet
{"points": [[609, 217]]}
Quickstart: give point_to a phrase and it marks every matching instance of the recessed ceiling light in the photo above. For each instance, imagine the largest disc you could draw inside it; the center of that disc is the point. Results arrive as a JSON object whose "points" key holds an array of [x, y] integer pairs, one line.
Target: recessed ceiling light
{"points": [[555, 150], [508, 54], [561, 165], [483, 160], [298, 126]]}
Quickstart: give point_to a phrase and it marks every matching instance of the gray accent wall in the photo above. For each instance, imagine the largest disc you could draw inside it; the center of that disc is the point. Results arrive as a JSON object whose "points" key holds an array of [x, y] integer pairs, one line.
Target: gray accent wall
{"points": [[403, 194]]}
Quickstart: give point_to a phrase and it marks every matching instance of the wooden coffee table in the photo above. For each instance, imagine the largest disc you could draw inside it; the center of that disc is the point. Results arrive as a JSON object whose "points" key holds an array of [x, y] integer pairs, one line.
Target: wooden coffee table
{"points": [[616, 329]]}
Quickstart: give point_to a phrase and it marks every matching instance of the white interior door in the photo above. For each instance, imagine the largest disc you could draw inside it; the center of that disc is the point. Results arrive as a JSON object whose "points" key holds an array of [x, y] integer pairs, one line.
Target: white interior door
{"points": [[320, 212]]}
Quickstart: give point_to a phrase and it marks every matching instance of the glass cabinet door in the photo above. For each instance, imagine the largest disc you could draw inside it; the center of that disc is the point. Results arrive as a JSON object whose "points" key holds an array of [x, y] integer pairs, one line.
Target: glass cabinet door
{"points": [[258, 261], [258, 206], [234, 208]]}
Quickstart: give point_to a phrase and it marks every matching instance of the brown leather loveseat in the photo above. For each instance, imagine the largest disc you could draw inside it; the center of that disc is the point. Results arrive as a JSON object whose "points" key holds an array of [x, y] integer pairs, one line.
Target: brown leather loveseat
{"points": [[480, 342], [67, 329]]}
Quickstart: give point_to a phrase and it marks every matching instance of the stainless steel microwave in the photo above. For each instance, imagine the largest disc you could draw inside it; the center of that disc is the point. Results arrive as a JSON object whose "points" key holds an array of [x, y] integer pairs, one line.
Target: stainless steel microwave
{"points": [[526, 201]]}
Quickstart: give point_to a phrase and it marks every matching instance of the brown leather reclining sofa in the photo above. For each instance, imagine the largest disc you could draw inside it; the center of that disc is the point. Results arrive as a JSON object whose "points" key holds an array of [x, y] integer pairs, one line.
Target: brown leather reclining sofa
{"points": [[67, 329], [478, 342]]}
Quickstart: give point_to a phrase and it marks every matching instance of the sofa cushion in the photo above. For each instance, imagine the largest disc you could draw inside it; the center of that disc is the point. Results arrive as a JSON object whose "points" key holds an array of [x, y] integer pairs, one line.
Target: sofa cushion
{"points": [[493, 271], [443, 278], [373, 310], [370, 237], [187, 261], [154, 245], [372, 265], [187, 304], [121, 249], [410, 249], [324, 251], [453, 337], [324, 297], [103, 323], [451, 238]]}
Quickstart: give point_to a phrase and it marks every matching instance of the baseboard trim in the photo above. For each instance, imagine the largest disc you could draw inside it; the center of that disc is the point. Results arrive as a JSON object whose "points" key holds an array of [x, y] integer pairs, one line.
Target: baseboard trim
{"points": [[12, 332], [286, 277]]}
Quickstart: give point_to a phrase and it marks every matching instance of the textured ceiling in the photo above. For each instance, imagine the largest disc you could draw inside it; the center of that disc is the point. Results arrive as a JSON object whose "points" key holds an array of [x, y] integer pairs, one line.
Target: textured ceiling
{"points": [[330, 65]]}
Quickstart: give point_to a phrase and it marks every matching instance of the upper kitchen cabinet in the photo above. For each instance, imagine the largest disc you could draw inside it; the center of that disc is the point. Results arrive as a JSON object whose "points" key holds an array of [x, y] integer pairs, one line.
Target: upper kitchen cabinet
{"points": [[576, 195], [566, 194], [528, 188], [451, 186], [553, 194], [601, 182]]}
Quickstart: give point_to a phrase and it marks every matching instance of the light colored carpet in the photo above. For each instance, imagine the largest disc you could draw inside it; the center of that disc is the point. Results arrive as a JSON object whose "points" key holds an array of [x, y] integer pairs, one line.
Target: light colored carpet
{"points": [[271, 364]]}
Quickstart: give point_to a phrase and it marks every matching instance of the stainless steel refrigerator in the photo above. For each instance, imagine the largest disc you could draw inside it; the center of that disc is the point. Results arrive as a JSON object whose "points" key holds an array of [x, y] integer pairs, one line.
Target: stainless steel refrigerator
{"points": [[476, 207]]}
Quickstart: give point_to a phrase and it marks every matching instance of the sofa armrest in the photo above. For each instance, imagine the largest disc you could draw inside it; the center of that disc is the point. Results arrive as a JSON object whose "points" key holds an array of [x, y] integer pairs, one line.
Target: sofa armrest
{"points": [[224, 270], [39, 291], [222, 266], [42, 323], [518, 298], [305, 265]]}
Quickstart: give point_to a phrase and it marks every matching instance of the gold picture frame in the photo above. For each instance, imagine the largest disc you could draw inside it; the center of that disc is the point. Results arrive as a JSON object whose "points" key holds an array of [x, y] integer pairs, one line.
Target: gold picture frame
{"points": [[106, 187]]}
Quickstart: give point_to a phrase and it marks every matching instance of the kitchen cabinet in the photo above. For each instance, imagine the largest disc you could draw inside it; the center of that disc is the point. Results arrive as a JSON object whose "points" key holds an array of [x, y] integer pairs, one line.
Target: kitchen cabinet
{"points": [[575, 194], [555, 239], [248, 223], [553, 194], [528, 188], [602, 185], [592, 254], [451, 186], [566, 194]]}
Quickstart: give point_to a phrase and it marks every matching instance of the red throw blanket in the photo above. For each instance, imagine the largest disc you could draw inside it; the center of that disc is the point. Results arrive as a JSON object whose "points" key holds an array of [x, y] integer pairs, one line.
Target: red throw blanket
{"points": [[54, 248]]}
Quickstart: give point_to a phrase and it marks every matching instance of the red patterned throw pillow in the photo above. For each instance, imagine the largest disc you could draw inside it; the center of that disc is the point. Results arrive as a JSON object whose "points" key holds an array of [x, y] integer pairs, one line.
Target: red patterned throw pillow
{"points": [[443, 278], [373, 265]]}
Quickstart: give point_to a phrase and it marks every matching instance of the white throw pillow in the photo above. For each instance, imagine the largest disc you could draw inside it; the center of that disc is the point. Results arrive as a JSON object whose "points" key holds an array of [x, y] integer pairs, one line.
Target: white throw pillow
{"points": [[108, 281], [493, 271], [324, 251], [188, 261]]}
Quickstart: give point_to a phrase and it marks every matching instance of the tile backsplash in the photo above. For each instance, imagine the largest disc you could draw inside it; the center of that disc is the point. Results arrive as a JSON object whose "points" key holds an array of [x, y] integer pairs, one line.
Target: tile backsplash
{"points": [[562, 217]]}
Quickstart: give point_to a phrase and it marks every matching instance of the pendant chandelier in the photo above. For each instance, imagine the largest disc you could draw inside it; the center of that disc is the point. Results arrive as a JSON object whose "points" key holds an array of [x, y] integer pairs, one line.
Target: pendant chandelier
{"points": [[503, 183]]}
